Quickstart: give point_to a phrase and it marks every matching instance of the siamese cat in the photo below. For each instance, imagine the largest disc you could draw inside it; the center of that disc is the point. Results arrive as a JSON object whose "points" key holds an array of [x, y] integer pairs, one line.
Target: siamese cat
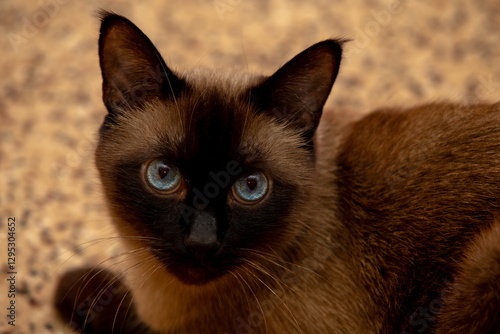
{"points": [[246, 209]]}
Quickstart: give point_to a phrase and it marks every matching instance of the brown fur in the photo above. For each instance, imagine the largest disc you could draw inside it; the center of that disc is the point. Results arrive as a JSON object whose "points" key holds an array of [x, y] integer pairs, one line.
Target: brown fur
{"points": [[389, 226], [471, 302], [416, 186]]}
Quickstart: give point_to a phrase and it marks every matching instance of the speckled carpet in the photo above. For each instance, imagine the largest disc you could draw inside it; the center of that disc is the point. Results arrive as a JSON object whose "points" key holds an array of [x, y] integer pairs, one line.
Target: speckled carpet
{"points": [[403, 53]]}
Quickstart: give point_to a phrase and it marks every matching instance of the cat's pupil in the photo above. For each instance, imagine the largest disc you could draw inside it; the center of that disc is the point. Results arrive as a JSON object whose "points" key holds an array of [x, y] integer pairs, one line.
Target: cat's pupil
{"points": [[163, 172], [252, 183]]}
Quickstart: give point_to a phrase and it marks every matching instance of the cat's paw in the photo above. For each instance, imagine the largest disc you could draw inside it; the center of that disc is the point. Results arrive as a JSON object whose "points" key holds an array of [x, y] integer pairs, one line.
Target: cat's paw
{"points": [[94, 300]]}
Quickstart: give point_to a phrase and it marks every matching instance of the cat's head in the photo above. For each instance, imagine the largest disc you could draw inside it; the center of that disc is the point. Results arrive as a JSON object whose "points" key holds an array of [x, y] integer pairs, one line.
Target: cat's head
{"points": [[207, 169]]}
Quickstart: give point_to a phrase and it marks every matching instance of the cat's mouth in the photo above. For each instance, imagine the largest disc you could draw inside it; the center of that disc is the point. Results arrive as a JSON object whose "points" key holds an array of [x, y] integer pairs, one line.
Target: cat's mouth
{"points": [[191, 271], [197, 275]]}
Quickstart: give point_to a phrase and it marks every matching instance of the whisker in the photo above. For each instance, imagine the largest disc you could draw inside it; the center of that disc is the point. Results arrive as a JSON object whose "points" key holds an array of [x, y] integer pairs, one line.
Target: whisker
{"points": [[115, 279], [132, 298], [78, 251], [247, 114], [85, 279], [198, 98], [269, 257], [257, 299], [244, 51], [276, 295], [243, 288], [273, 277], [155, 268], [166, 71], [96, 241]]}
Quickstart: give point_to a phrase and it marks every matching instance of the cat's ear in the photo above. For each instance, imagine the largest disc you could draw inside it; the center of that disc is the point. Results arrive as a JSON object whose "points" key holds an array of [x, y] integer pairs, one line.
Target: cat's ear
{"points": [[132, 69], [297, 92]]}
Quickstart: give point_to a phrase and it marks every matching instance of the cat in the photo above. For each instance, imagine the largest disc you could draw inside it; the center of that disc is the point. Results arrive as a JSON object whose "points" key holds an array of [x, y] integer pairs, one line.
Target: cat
{"points": [[244, 213]]}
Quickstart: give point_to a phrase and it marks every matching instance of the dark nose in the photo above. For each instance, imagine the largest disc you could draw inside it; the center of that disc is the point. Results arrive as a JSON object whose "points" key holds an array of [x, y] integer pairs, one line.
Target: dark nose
{"points": [[202, 239]]}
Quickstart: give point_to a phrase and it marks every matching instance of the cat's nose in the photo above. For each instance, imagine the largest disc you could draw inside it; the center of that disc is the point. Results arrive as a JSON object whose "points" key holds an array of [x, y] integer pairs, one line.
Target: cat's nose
{"points": [[202, 239]]}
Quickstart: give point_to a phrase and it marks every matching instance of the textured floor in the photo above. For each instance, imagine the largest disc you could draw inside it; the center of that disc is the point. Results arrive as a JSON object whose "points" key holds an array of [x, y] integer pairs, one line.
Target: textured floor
{"points": [[403, 52]]}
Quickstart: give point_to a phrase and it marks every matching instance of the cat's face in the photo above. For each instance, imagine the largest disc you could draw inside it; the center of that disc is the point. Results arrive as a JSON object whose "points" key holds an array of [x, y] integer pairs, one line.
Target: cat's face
{"points": [[207, 169]]}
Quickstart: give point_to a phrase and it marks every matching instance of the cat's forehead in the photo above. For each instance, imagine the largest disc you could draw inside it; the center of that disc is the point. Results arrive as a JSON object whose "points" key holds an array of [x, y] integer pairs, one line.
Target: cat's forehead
{"points": [[204, 131], [207, 112], [217, 122]]}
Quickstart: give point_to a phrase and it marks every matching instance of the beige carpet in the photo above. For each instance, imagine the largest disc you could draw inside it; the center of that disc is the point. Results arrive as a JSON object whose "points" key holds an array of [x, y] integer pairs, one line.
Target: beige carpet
{"points": [[403, 52]]}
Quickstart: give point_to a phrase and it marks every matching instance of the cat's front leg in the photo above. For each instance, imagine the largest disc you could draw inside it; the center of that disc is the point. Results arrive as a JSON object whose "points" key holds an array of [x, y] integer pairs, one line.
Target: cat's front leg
{"points": [[94, 300]]}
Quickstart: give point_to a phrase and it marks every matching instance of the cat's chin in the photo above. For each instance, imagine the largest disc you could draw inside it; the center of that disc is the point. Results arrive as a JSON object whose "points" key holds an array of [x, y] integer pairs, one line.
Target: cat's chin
{"points": [[196, 275], [193, 272]]}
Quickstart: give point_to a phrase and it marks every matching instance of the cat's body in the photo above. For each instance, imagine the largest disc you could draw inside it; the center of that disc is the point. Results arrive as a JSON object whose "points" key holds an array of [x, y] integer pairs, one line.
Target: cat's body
{"points": [[384, 224]]}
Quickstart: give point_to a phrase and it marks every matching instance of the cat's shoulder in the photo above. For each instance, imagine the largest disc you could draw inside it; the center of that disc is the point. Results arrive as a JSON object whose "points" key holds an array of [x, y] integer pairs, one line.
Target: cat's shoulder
{"points": [[427, 122], [392, 135]]}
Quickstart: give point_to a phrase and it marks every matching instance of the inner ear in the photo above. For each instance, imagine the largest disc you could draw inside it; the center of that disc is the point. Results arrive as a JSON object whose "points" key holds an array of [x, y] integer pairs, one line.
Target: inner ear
{"points": [[132, 69], [297, 92]]}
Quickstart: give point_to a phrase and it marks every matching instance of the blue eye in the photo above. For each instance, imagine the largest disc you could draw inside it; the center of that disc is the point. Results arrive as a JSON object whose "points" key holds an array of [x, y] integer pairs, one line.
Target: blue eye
{"points": [[163, 176], [251, 188]]}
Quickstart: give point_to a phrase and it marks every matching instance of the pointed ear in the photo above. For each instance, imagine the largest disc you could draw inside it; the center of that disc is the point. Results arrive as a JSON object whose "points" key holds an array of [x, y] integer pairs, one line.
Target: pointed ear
{"points": [[297, 92], [132, 69]]}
